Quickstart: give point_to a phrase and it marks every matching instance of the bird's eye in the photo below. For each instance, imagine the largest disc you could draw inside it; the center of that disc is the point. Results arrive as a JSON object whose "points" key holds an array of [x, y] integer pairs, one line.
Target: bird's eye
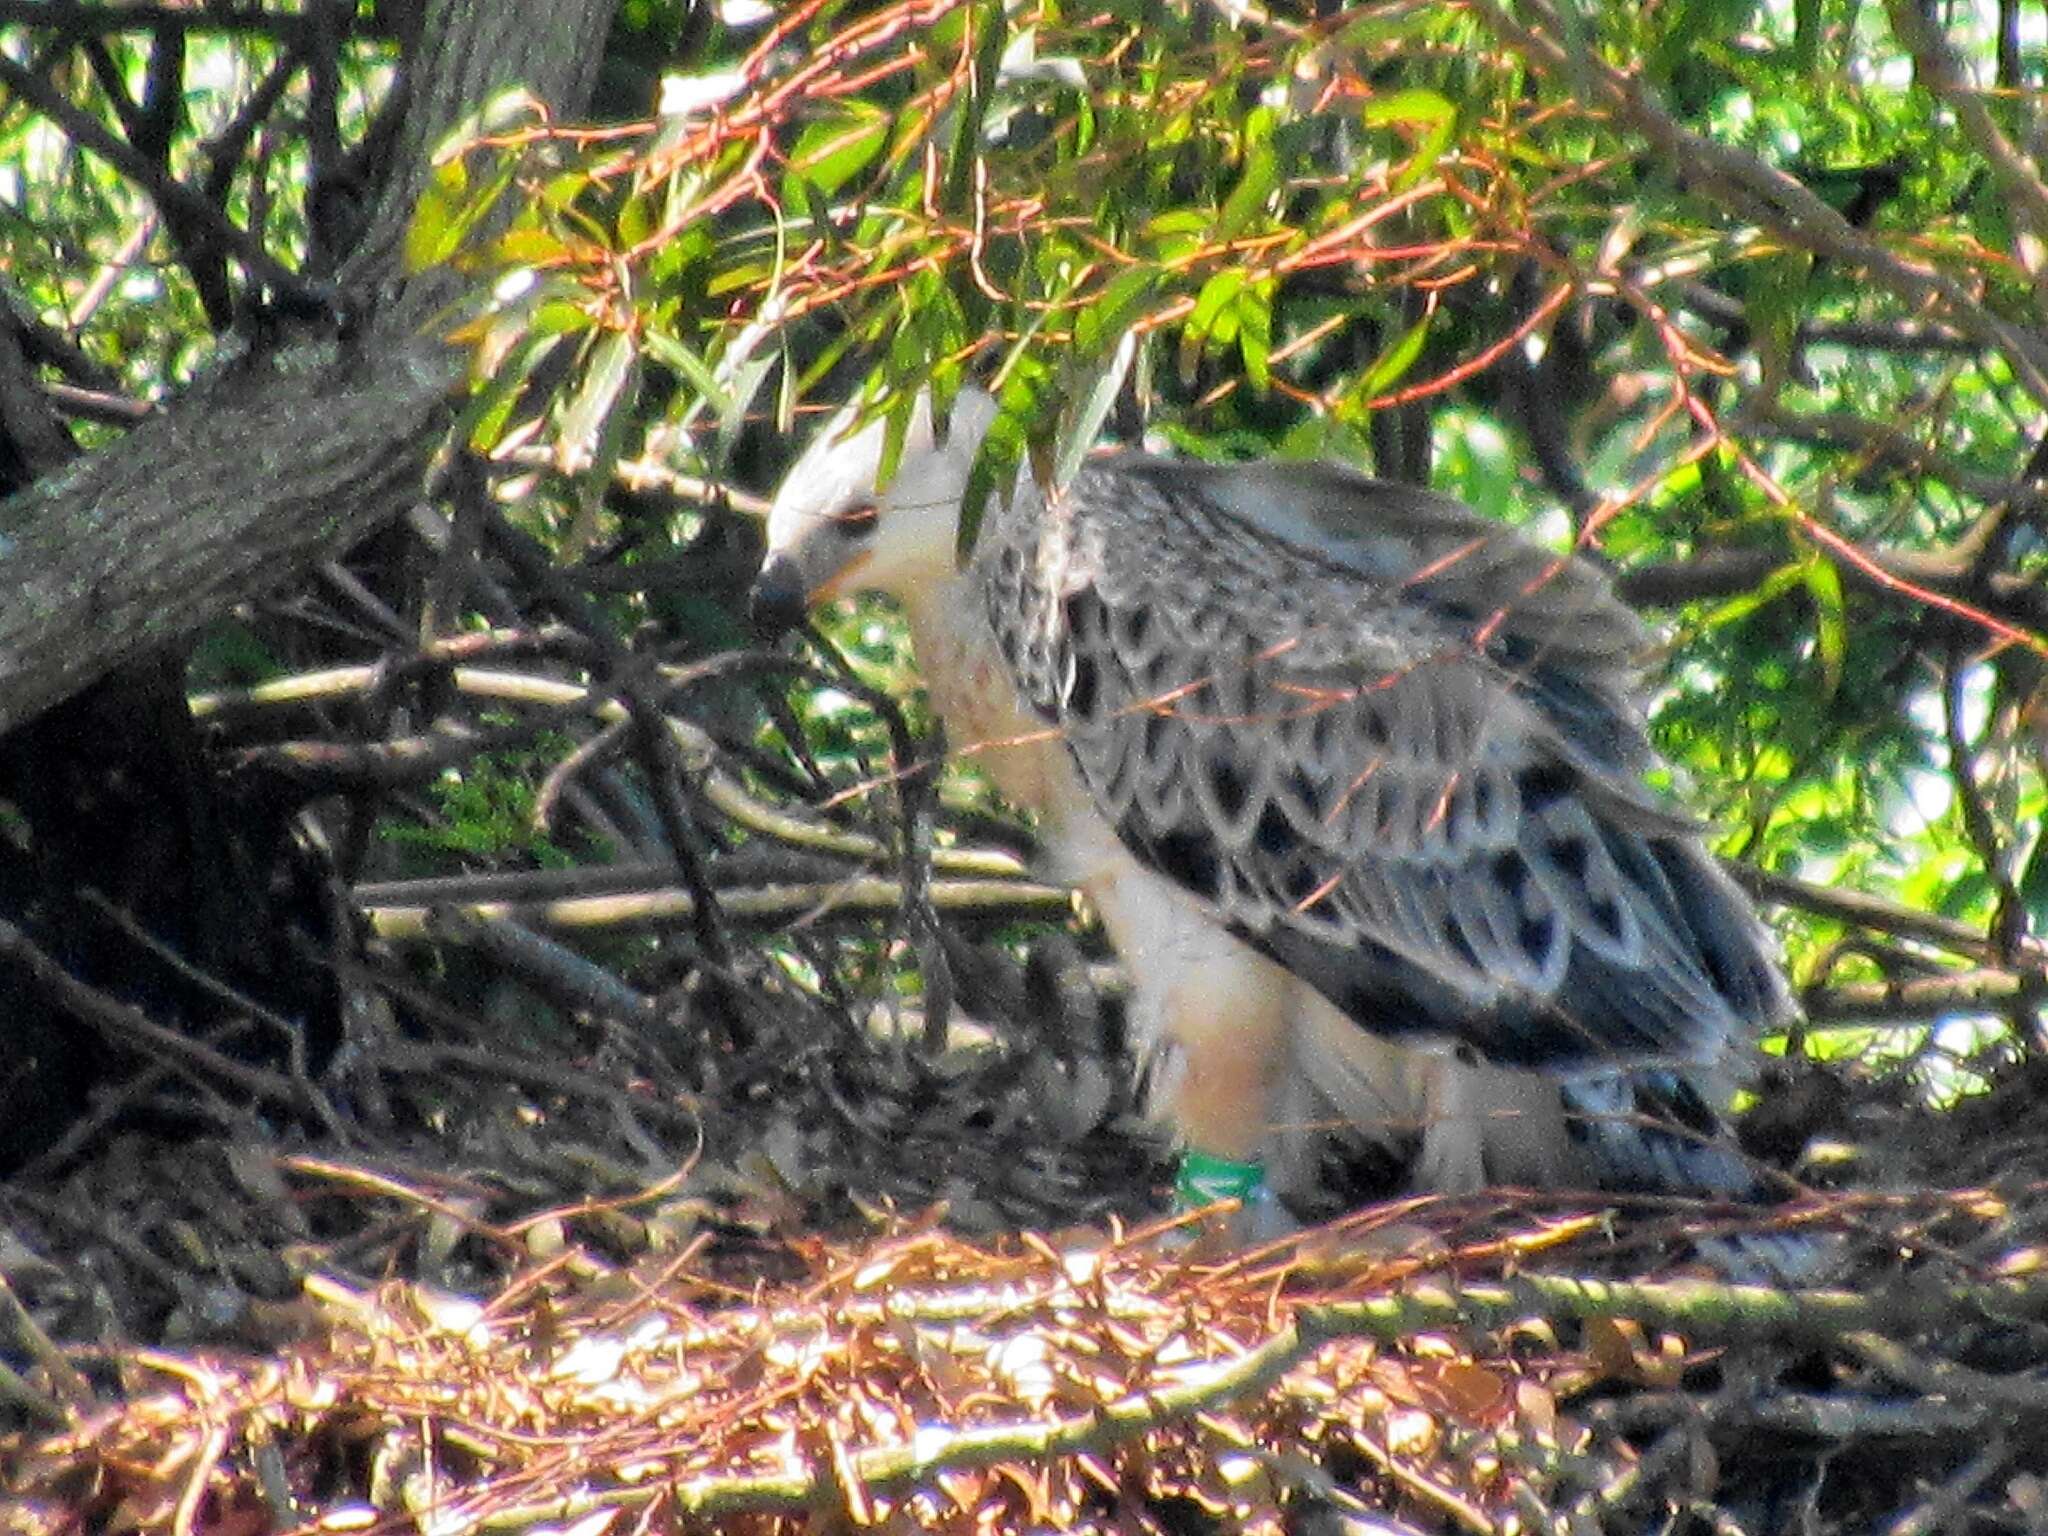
{"points": [[858, 519]]}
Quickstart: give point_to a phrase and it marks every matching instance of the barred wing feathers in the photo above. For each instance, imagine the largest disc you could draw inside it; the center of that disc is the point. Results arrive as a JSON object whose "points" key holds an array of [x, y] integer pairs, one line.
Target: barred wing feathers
{"points": [[1390, 744]]}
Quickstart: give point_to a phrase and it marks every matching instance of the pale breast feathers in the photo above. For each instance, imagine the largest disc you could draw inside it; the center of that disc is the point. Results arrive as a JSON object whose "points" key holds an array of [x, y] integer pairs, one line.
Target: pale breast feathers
{"points": [[1390, 743]]}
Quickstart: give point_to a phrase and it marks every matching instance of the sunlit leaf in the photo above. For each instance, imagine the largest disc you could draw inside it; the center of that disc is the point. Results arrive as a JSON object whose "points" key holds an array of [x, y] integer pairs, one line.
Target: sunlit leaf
{"points": [[450, 211], [1208, 318], [1254, 309], [1435, 114], [831, 153], [1078, 435], [486, 414], [606, 374], [1388, 369]]}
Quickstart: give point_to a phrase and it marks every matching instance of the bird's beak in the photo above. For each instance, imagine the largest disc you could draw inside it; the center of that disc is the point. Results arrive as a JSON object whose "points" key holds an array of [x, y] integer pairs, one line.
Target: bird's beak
{"points": [[776, 601]]}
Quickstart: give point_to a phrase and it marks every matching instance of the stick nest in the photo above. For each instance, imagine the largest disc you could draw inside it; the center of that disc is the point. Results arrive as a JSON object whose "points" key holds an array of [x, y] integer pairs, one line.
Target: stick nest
{"points": [[1419, 1364]]}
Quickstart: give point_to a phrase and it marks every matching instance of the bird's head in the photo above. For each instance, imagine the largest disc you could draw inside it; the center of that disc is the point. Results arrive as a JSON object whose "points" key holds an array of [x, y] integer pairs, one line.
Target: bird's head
{"points": [[833, 530]]}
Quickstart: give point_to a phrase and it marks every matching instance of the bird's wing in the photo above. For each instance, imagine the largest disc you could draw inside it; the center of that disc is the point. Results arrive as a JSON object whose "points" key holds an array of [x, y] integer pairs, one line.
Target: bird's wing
{"points": [[1388, 743]]}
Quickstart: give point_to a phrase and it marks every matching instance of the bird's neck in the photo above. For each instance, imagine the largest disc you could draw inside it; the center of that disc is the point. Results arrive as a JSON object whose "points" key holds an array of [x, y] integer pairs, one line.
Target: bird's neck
{"points": [[952, 639], [986, 721]]}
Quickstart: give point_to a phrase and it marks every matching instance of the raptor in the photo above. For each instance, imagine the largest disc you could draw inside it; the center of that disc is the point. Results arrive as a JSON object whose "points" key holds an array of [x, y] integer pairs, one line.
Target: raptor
{"points": [[1356, 780]]}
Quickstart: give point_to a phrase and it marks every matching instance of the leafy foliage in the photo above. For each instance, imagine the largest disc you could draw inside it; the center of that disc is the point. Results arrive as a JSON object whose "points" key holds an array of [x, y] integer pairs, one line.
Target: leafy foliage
{"points": [[1744, 298], [1729, 283], [147, 293]]}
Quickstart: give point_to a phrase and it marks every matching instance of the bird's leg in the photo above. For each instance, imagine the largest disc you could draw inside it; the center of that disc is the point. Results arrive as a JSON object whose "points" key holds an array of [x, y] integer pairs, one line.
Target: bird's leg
{"points": [[1222, 1020]]}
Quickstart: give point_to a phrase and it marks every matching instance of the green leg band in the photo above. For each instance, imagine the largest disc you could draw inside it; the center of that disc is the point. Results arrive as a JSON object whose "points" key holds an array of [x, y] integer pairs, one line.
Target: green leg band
{"points": [[1204, 1180]]}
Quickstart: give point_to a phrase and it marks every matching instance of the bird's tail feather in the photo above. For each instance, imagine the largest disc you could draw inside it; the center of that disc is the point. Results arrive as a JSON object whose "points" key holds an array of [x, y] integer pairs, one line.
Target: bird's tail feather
{"points": [[1435, 1123], [1654, 1131]]}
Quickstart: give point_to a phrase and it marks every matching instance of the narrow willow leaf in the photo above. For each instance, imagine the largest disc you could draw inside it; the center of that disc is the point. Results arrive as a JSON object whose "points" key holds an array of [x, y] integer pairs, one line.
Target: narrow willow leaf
{"points": [[1254, 312], [1206, 320], [671, 353], [1830, 616], [1086, 425], [1388, 369], [605, 377], [1437, 116], [483, 419]]}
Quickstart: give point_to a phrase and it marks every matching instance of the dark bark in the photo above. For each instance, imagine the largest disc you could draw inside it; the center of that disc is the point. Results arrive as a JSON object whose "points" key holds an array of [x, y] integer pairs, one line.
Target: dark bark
{"points": [[277, 460]]}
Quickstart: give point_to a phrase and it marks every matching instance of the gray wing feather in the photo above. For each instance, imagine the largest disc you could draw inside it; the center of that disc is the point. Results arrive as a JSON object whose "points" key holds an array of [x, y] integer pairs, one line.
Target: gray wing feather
{"points": [[1390, 743]]}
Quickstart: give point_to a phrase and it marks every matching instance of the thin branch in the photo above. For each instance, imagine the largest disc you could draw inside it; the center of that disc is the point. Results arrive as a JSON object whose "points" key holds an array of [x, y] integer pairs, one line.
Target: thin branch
{"points": [[1761, 192], [101, 406], [291, 1033], [633, 676], [916, 778], [2026, 194], [41, 1348], [71, 18], [333, 766], [1942, 1510], [1865, 911], [1901, 335], [2020, 601], [720, 790], [2009, 920], [1884, 446], [131, 1029], [558, 974], [2023, 1392], [170, 194], [779, 904], [647, 474], [1919, 999]]}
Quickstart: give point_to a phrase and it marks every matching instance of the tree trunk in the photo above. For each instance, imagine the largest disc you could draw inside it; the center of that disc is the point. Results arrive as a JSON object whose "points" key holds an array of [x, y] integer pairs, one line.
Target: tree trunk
{"points": [[109, 562]]}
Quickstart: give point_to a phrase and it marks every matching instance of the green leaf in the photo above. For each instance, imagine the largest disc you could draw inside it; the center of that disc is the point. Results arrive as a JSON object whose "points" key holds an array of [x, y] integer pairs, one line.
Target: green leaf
{"points": [[1254, 312], [1261, 178], [430, 238], [668, 351], [831, 153], [609, 369], [636, 222], [1111, 314], [993, 473], [560, 317], [1078, 435], [1437, 116], [991, 34], [1774, 586], [1387, 370], [483, 419], [1206, 319], [445, 217], [1831, 629], [531, 245]]}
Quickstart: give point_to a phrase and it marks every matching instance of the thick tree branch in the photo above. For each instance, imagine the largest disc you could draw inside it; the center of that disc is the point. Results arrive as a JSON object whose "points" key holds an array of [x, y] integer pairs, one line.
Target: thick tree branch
{"points": [[288, 457]]}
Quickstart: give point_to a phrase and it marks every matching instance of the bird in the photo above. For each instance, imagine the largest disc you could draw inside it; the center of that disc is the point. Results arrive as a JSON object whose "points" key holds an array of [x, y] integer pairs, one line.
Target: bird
{"points": [[1358, 783]]}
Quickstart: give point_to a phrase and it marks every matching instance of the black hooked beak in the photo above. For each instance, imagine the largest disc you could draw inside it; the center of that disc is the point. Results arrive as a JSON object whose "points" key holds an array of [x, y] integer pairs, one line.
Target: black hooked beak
{"points": [[776, 601]]}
